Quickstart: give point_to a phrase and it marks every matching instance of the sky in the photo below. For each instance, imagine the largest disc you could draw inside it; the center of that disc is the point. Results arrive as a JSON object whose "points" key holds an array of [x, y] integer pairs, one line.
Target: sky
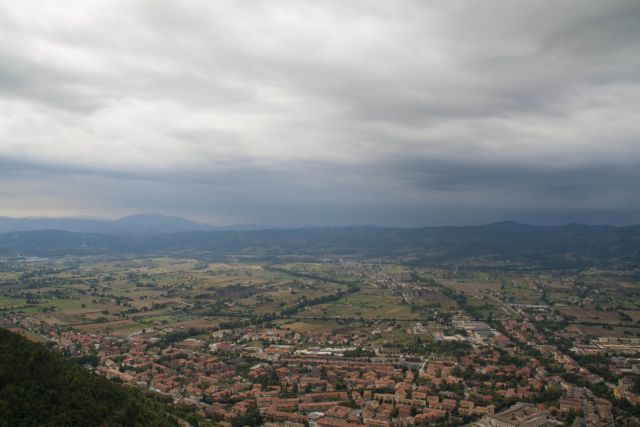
{"points": [[293, 113]]}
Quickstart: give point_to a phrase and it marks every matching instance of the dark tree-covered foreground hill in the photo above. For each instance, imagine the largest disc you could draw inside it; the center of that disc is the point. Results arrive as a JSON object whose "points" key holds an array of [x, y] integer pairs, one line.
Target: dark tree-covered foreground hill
{"points": [[41, 388]]}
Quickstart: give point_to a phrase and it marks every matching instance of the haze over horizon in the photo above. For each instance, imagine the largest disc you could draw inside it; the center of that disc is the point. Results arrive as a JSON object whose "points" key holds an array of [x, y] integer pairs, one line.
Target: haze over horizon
{"points": [[156, 218], [288, 113]]}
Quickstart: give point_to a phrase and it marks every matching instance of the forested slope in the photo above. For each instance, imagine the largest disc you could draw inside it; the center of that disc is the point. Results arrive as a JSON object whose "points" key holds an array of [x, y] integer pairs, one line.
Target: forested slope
{"points": [[41, 388]]}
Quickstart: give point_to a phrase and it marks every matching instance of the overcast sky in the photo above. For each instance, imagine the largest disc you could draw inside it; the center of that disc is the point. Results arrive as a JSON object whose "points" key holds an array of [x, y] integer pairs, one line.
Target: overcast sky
{"points": [[322, 112]]}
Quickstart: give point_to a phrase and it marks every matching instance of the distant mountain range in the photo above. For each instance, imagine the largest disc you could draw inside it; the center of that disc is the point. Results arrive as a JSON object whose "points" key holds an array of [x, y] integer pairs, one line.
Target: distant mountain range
{"points": [[504, 243], [129, 225]]}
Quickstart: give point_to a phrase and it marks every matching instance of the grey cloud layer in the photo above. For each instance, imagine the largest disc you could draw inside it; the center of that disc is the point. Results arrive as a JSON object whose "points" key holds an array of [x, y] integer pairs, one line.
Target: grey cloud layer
{"points": [[291, 113]]}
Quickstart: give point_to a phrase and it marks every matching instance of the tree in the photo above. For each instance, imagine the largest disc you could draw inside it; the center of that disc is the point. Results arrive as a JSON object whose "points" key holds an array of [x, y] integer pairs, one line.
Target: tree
{"points": [[39, 387]]}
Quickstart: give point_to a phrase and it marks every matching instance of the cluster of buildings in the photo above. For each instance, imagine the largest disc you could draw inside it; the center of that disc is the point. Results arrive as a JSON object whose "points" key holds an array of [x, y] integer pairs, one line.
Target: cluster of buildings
{"points": [[608, 345], [474, 332], [331, 379]]}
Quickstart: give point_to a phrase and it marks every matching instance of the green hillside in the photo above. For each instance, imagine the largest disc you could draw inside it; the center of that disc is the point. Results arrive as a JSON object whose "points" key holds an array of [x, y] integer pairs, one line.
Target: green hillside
{"points": [[41, 388]]}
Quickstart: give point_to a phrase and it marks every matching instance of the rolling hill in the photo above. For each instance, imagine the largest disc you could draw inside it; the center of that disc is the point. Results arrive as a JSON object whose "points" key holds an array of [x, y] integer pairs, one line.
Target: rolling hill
{"points": [[505, 242], [133, 224]]}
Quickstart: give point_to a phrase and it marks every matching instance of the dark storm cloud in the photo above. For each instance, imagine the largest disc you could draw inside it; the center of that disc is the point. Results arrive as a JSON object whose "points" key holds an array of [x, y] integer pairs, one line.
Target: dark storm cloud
{"points": [[295, 113]]}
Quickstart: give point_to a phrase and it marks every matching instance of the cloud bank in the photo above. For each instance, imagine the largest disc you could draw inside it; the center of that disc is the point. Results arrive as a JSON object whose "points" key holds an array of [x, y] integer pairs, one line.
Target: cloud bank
{"points": [[330, 113]]}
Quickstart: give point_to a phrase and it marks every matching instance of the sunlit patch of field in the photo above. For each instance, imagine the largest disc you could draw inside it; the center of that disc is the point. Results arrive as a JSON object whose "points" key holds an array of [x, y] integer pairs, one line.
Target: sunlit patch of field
{"points": [[557, 297], [72, 315], [9, 276], [203, 323], [293, 293], [634, 314], [601, 331], [150, 313], [470, 287], [521, 290], [590, 313], [436, 298], [395, 336], [309, 326], [10, 303], [366, 305], [125, 325], [483, 306], [156, 319]]}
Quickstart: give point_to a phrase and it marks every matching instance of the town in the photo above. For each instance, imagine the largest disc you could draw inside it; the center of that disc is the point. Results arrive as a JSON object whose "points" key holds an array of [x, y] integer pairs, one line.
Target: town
{"points": [[340, 343]]}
